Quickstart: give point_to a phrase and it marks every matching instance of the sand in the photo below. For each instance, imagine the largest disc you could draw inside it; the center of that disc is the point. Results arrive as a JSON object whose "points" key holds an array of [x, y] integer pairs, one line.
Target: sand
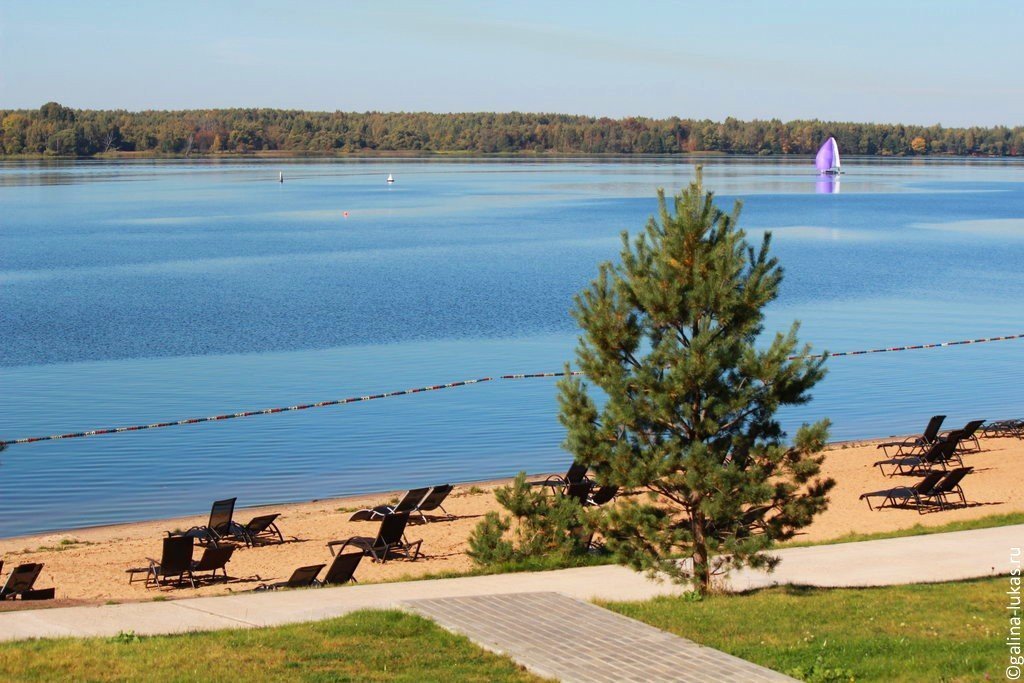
{"points": [[87, 566]]}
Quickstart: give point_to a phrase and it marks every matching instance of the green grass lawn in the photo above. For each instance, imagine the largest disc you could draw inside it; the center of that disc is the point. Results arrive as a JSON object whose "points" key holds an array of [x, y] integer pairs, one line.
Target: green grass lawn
{"points": [[930, 632], [363, 646]]}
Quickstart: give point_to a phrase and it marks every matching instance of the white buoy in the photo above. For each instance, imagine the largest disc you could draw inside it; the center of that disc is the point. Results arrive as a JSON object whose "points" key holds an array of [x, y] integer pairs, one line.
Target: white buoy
{"points": [[391, 178]]}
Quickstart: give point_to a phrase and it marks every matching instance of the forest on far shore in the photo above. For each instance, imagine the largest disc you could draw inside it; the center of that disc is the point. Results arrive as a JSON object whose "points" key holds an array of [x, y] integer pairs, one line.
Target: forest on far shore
{"points": [[56, 130]]}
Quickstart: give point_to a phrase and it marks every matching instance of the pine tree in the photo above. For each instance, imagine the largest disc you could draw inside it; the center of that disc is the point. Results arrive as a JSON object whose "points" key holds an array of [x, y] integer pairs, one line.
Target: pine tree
{"points": [[687, 412]]}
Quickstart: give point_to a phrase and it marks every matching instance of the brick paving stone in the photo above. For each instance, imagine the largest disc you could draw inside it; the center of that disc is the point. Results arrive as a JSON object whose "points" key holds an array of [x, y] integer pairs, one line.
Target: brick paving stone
{"points": [[560, 637]]}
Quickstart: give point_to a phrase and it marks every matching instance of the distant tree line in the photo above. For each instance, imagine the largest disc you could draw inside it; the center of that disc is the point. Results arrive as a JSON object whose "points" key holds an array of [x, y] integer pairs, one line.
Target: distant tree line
{"points": [[57, 130]]}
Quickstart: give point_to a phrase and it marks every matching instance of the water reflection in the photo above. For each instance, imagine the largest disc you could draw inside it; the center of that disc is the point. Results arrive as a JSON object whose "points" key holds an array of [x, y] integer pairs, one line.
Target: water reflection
{"points": [[827, 185]]}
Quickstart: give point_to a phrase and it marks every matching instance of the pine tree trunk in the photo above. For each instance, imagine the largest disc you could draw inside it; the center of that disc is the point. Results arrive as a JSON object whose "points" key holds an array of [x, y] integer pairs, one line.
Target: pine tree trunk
{"points": [[701, 565]]}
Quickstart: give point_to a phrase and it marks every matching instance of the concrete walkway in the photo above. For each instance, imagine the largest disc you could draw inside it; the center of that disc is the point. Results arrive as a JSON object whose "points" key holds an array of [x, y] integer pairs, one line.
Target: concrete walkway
{"points": [[578, 642], [938, 557]]}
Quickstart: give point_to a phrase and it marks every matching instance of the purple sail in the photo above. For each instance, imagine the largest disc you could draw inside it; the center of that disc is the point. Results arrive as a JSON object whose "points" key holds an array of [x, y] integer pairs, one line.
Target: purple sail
{"points": [[827, 160]]}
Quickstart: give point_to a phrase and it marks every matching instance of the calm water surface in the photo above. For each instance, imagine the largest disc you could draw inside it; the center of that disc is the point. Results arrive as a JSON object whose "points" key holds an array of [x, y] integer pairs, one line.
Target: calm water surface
{"points": [[146, 291]]}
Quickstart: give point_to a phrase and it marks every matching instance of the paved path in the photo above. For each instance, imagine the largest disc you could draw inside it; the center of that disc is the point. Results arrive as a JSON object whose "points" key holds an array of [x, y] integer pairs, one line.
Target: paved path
{"points": [[938, 557], [560, 637]]}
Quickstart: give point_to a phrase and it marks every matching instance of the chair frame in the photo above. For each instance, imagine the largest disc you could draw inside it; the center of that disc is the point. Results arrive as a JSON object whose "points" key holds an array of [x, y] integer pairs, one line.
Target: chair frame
{"points": [[210, 557], [409, 502], [155, 573], [914, 445], [390, 540], [216, 529], [428, 503], [938, 454], [921, 490], [17, 585]]}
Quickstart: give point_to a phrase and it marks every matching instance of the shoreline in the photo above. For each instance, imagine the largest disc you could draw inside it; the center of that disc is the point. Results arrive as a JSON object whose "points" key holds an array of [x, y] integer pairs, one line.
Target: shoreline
{"points": [[349, 499], [465, 154], [343, 501], [88, 565]]}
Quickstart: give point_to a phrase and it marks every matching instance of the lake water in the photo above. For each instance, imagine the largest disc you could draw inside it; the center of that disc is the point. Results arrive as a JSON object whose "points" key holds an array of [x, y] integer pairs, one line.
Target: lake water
{"points": [[146, 291]]}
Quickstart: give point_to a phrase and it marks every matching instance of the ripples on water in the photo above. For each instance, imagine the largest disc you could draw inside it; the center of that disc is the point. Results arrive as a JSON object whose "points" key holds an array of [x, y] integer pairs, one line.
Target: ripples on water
{"points": [[140, 292]]}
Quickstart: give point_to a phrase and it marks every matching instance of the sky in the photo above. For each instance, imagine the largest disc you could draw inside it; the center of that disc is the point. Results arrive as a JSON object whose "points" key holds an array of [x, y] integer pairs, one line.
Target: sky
{"points": [[954, 63]]}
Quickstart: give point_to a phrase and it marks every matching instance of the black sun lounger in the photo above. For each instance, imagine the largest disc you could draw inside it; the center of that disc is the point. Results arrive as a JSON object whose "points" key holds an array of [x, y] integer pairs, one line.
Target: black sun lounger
{"points": [[433, 501], [261, 530], [950, 485], [342, 569], [579, 491], [303, 577], [1004, 428], [410, 501], [576, 474], [211, 560], [602, 495], [20, 584], [968, 436], [915, 444], [390, 540], [175, 561], [936, 456], [919, 492], [220, 527]]}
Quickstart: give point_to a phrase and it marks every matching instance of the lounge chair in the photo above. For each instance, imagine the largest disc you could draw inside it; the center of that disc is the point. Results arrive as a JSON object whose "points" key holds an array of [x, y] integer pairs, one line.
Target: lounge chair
{"points": [[20, 584], [175, 561], [211, 560], [751, 523], [919, 492], [936, 456], [410, 501], [602, 495], [968, 436], [390, 540], [433, 501], [580, 491], [261, 530], [342, 569], [1004, 428], [950, 485], [576, 474], [915, 444], [220, 527], [303, 577]]}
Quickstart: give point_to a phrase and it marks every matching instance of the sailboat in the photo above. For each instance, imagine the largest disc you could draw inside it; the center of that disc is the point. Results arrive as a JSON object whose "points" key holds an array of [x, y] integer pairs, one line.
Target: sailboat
{"points": [[280, 176], [391, 178], [827, 160]]}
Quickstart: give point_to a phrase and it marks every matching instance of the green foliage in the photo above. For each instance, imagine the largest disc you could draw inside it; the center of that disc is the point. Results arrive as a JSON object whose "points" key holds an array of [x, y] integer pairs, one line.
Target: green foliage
{"points": [[894, 633], [539, 525], [362, 646], [822, 670], [669, 337], [126, 638], [89, 132]]}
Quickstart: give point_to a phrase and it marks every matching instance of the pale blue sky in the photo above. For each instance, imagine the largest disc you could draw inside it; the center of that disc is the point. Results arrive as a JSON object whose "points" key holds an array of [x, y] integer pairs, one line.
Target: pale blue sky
{"points": [[941, 61]]}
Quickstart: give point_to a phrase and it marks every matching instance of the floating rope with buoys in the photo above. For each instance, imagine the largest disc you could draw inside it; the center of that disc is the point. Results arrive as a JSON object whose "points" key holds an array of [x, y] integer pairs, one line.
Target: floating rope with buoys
{"points": [[438, 387]]}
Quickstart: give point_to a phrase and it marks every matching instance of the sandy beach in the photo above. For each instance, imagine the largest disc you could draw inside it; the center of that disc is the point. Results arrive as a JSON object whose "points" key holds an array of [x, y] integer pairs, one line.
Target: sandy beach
{"points": [[87, 566]]}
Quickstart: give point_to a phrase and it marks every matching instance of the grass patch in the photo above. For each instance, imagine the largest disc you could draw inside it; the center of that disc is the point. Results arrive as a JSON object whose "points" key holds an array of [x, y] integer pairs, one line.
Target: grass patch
{"points": [[926, 632], [987, 522], [64, 544], [363, 646]]}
